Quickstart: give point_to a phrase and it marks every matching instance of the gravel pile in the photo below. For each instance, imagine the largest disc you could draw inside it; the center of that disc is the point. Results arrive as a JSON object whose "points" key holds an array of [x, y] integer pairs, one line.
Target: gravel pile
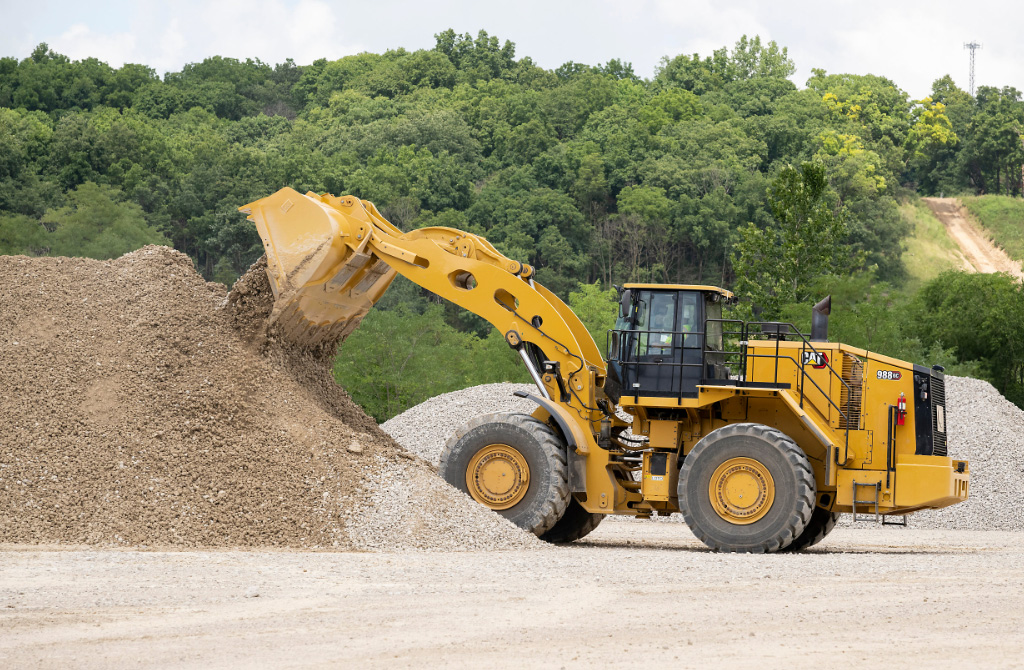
{"points": [[987, 430], [140, 406], [984, 428], [425, 428]]}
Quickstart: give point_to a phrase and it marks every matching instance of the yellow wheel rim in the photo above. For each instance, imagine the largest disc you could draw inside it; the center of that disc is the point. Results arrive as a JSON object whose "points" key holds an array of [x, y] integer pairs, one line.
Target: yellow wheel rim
{"points": [[742, 490], [498, 476]]}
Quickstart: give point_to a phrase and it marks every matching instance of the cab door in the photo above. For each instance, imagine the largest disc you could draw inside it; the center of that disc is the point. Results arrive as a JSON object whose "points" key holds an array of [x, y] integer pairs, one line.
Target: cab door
{"points": [[660, 351]]}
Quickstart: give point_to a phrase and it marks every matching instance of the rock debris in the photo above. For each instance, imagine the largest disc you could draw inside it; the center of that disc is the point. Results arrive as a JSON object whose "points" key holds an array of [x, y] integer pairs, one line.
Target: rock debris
{"points": [[143, 406]]}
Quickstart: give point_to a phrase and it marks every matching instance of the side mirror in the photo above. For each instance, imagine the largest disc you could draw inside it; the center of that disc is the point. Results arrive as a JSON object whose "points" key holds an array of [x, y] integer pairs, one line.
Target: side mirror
{"points": [[624, 301]]}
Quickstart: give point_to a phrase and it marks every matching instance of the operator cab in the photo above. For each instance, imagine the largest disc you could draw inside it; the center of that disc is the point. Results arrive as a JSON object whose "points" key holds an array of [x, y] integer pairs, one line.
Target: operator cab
{"points": [[667, 339]]}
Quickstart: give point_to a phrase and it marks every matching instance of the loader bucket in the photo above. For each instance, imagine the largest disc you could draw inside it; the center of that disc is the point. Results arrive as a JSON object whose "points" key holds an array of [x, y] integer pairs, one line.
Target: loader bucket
{"points": [[324, 278]]}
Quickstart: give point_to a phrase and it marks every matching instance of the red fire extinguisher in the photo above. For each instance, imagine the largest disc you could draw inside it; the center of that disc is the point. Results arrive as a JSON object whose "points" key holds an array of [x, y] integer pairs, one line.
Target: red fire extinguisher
{"points": [[901, 410]]}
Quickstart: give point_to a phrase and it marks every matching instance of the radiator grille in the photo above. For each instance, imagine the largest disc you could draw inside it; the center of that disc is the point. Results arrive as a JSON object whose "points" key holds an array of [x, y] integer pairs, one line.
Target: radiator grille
{"points": [[851, 399], [939, 417]]}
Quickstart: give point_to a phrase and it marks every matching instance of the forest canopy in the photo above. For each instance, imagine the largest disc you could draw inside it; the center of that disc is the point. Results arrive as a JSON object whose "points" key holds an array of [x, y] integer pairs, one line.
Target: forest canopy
{"points": [[713, 169]]}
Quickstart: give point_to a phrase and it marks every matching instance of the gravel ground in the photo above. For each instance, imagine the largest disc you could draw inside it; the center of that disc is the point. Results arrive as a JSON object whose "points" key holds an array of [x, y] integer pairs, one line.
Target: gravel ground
{"points": [[630, 595], [984, 428], [411, 508]]}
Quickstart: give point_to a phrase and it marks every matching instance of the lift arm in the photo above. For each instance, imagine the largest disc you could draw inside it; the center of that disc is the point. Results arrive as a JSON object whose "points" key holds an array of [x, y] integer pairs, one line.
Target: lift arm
{"points": [[330, 259]]}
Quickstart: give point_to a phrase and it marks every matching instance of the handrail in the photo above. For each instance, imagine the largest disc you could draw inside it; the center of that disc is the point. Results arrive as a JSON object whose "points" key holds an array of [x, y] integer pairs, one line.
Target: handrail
{"points": [[746, 333], [803, 376]]}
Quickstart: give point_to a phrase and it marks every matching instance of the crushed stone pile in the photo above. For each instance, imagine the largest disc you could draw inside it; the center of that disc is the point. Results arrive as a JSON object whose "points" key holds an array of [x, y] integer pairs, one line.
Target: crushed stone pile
{"points": [[425, 428], [140, 406], [984, 428], [987, 430]]}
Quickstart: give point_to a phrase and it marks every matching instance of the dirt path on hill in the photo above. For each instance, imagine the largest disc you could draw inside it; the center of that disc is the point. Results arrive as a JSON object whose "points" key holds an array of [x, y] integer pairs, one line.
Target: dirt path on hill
{"points": [[981, 254]]}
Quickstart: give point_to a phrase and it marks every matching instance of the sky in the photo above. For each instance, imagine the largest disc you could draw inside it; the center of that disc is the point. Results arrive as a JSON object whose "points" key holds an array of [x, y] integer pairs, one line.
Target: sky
{"points": [[910, 42]]}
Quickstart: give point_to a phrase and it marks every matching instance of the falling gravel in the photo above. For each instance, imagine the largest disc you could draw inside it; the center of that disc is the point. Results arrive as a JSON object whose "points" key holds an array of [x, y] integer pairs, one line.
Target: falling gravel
{"points": [[984, 428], [143, 406]]}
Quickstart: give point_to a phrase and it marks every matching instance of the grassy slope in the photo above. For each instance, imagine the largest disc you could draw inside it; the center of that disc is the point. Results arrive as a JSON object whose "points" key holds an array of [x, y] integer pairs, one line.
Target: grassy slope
{"points": [[1002, 217], [929, 250]]}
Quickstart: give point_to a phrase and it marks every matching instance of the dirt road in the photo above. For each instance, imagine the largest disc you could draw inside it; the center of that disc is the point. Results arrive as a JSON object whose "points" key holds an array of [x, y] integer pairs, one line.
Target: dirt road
{"points": [[981, 254], [634, 594]]}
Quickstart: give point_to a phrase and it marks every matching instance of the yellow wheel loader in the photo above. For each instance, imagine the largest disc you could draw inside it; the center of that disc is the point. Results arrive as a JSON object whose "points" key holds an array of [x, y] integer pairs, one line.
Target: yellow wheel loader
{"points": [[758, 435]]}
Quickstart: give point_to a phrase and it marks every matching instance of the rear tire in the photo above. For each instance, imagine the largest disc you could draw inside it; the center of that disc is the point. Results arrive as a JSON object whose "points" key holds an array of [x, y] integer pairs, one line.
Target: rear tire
{"points": [[513, 464], [575, 523], [746, 488], [821, 524]]}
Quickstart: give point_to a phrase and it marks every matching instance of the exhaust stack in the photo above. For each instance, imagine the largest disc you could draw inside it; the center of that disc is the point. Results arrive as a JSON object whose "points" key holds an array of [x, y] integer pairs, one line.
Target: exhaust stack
{"points": [[819, 320]]}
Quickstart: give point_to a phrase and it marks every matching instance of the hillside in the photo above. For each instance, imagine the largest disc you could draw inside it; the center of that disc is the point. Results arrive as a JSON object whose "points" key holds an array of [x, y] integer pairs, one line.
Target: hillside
{"points": [[1002, 218], [718, 169], [930, 250], [978, 251]]}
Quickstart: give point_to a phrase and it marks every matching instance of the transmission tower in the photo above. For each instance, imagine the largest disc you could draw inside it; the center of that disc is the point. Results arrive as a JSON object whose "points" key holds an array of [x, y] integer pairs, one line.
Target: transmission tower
{"points": [[973, 46]]}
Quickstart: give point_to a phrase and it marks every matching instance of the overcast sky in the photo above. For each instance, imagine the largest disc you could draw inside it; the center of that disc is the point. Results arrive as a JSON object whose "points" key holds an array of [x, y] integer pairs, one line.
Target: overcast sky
{"points": [[912, 43]]}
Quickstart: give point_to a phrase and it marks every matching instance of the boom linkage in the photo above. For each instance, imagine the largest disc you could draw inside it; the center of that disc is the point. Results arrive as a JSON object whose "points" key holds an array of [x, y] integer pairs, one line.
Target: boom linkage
{"points": [[331, 258]]}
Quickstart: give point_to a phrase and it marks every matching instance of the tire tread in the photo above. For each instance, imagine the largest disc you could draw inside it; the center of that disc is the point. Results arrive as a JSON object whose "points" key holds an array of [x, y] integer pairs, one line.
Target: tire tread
{"points": [[805, 488], [553, 450]]}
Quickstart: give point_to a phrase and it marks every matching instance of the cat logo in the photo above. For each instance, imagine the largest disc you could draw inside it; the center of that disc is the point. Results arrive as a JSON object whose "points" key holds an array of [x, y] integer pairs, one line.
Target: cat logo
{"points": [[817, 360]]}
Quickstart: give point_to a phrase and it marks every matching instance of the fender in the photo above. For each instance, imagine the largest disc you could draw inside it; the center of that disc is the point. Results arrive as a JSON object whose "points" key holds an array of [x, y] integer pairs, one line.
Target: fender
{"points": [[578, 446]]}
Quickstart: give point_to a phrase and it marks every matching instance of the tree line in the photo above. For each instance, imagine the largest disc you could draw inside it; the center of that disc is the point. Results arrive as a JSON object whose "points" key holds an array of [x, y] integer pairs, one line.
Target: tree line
{"points": [[714, 170]]}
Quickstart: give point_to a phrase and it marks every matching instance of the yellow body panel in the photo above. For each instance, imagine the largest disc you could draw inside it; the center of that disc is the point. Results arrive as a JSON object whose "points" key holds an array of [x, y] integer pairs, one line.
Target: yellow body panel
{"points": [[659, 483], [682, 287], [930, 482], [331, 258]]}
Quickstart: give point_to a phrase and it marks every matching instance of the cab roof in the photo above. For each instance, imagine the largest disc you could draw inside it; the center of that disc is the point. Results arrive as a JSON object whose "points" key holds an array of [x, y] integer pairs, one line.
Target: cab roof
{"points": [[682, 287]]}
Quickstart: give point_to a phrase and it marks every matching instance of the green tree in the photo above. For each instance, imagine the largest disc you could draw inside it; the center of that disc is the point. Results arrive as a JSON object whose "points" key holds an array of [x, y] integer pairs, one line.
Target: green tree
{"points": [[597, 309], [994, 146], [97, 223], [20, 234], [777, 264], [980, 317], [930, 134], [749, 59], [481, 58], [399, 358]]}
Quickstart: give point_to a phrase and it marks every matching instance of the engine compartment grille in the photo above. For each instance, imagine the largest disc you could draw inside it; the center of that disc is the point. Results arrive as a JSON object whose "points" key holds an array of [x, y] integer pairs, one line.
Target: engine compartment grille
{"points": [[938, 398], [851, 399]]}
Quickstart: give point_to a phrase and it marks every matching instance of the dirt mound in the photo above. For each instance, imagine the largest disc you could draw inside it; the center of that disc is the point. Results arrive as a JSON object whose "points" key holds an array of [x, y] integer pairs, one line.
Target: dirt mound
{"points": [[138, 408]]}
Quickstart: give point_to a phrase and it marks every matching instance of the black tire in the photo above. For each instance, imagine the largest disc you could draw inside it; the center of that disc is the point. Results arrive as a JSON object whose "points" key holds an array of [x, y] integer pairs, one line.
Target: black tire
{"points": [[576, 522], [821, 524], [784, 518], [547, 492]]}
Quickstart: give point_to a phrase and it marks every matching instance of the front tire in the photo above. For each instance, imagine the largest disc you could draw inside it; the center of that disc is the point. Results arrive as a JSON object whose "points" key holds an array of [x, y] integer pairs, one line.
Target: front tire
{"points": [[746, 488], [512, 463]]}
